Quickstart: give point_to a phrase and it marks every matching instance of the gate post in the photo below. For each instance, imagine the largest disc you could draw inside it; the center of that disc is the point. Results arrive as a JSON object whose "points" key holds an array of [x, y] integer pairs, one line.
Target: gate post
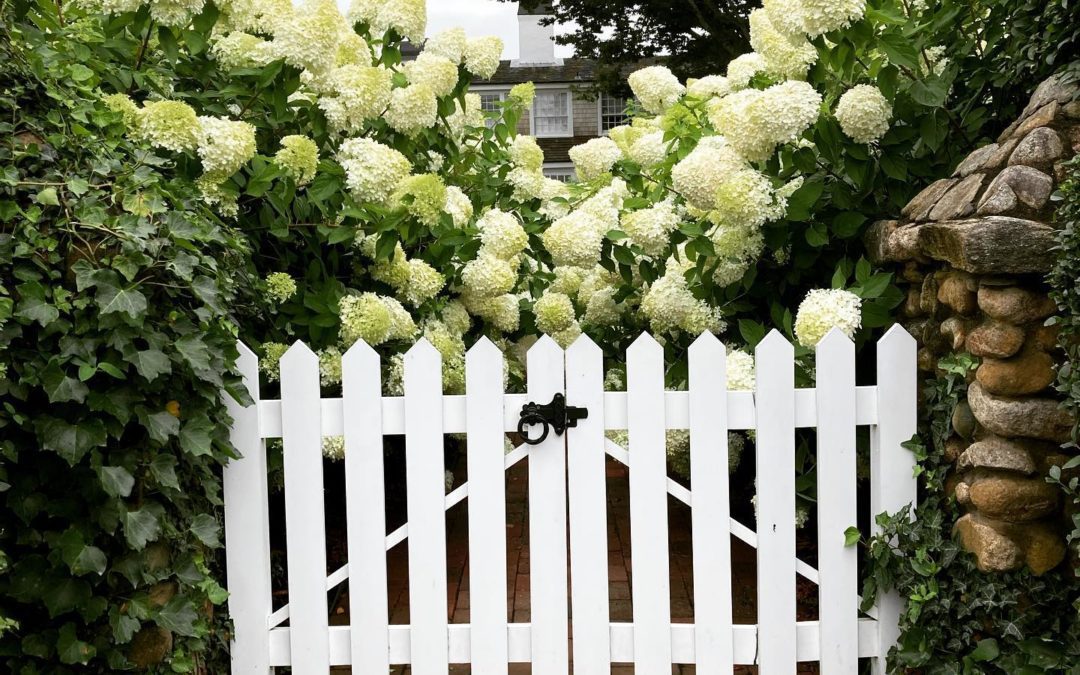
{"points": [[892, 468], [247, 529]]}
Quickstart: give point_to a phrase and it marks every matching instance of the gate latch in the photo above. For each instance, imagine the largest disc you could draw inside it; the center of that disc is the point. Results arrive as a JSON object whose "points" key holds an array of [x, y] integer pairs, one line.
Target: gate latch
{"points": [[555, 415]]}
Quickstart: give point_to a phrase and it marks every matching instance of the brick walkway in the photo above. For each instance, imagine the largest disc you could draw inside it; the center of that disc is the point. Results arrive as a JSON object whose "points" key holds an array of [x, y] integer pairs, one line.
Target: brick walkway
{"points": [[517, 531]]}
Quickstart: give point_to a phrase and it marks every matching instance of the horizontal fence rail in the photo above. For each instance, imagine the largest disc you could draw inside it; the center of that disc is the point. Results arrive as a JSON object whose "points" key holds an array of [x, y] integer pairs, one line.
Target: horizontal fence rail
{"points": [[567, 510]]}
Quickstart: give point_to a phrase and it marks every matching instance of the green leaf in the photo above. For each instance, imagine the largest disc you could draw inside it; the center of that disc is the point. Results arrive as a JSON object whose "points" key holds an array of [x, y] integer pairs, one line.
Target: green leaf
{"points": [[751, 331], [61, 387], [847, 224], [985, 650], [113, 298], [79, 72], [194, 351], [161, 426], [64, 595], [140, 527], [178, 616], [195, 437], [71, 649], [117, 480], [205, 527], [163, 468], [150, 363], [47, 197], [71, 441], [33, 306], [900, 50], [852, 536]]}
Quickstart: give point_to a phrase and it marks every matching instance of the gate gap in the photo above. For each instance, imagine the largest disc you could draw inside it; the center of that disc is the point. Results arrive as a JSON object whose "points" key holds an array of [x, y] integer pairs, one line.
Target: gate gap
{"points": [[618, 515], [517, 543]]}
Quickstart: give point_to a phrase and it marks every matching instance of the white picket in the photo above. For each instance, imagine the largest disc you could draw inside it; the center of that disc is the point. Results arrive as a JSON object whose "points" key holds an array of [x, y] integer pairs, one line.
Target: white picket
{"points": [[247, 529], [305, 529], [838, 592], [547, 520], [365, 509], [648, 505], [892, 481], [425, 489], [487, 507], [710, 531], [586, 480], [775, 442]]}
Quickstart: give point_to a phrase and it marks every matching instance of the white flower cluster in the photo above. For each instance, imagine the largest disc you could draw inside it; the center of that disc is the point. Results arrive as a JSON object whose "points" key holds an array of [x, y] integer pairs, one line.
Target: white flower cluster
{"points": [[656, 88], [437, 72], [449, 44], [423, 196], [741, 69], [825, 16], [670, 307], [415, 280], [408, 18], [280, 287], [576, 239], [786, 56], [354, 94], [374, 319], [298, 157], [651, 228], [482, 56], [413, 109], [308, 36], [458, 206], [755, 121], [501, 234], [825, 309], [329, 366], [270, 361], [649, 149], [864, 113], [699, 175], [740, 371], [709, 86], [554, 312], [224, 146], [242, 50], [526, 153], [372, 170], [595, 157], [171, 125]]}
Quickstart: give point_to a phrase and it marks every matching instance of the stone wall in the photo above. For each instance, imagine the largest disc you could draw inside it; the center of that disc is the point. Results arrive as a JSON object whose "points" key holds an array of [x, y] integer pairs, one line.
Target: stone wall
{"points": [[972, 252]]}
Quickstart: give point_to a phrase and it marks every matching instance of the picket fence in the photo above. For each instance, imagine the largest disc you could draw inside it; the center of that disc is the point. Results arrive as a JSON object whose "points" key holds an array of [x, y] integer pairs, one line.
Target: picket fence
{"points": [[566, 470]]}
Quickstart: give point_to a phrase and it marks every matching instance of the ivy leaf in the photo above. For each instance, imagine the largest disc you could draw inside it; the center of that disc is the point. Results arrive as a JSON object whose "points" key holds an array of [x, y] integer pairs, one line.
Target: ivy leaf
{"points": [[205, 527], [163, 468], [61, 387], [71, 649], [150, 363], [140, 527], [194, 351], [161, 425], [852, 536], [33, 306], [71, 441], [985, 650], [178, 616], [195, 437], [117, 481], [112, 298], [47, 197], [64, 595]]}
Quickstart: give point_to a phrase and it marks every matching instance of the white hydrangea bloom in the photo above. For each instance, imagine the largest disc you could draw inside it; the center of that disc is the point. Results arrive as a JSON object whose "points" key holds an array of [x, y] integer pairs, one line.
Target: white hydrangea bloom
{"points": [[594, 157], [456, 317], [488, 276], [412, 109], [449, 44], [651, 228], [172, 125], [669, 305], [270, 361], [424, 282], [554, 312], [756, 121], [502, 312], [330, 366], [298, 157], [575, 239], [528, 183], [743, 68], [482, 56], [333, 447], [825, 309], [458, 206], [175, 13], [825, 16], [709, 86], [745, 200], [656, 88], [785, 56], [467, 116], [526, 153], [373, 170], [501, 234], [364, 317], [601, 308], [354, 94], [352, 49], [437, 72], [649, 150], [242, 50], [280, 287], [567, 280], [625, 135], [864, 113], [407, 17], [699, 175], [307, 37], [786, 16], [224, 146], [740, 371]]}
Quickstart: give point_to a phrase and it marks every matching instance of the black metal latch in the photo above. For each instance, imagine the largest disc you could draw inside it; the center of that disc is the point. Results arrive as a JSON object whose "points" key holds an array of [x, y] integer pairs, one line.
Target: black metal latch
{"points": [[555, 415]]}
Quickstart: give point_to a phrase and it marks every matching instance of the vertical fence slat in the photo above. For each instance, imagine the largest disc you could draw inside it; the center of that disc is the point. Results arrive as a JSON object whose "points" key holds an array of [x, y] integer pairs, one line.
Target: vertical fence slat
{"points": [[837, 504], [547, 520], [305, 524], [425, 497], [709, 505], [487, 507], [365, 509], [892, 481], [775, 441], [586, 476], [247, 529], [648, 505]]}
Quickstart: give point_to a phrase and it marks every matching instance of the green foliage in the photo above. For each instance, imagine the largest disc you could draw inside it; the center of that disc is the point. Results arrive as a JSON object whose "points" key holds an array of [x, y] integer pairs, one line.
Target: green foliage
{"points": [[115, 347], [959, 619], [1064, 282]]}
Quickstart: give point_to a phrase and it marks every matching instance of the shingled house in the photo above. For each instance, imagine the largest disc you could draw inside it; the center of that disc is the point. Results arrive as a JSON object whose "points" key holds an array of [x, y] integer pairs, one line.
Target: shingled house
{"points": [[566, 112]]}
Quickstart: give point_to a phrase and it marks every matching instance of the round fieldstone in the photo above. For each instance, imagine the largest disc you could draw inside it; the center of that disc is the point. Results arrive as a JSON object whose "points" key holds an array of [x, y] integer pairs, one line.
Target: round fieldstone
{"points": [[975, 161], [1029, 372], [954, 448], [994, 551], [1041, 418], [1043, 546], [1000, 156], [994, 452], [957, 290], [995, 339], [1014, 305], [149, 646], [956, 329], [1015, 186], [963, 421], [1013, 498], [1040, 118], [1041, 147]]}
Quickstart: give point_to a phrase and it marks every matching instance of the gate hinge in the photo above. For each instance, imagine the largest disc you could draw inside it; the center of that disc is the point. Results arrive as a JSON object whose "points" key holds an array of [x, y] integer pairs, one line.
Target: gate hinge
{"points": [[556, 415]]}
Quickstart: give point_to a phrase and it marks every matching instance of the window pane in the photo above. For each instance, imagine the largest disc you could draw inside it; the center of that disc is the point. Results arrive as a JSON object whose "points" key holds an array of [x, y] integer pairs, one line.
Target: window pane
{"points": [[612, 112], [551, 113]]}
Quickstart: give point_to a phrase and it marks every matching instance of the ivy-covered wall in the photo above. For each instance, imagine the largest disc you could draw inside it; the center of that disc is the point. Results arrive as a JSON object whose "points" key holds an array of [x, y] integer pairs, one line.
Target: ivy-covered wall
{"points": [[973, 251]]}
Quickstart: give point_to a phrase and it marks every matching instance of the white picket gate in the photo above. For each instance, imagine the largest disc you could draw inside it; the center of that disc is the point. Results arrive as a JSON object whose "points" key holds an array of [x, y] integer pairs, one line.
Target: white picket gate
{"points": [[567, 469]]}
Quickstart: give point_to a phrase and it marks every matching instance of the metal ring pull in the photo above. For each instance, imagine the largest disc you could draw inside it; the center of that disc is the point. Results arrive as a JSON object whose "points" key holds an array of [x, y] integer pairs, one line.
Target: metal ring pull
{"points": [[528, 419], [555, 414]]}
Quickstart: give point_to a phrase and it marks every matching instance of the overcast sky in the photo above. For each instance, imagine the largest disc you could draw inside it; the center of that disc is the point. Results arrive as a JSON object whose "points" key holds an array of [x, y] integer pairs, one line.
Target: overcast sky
{"points": [[482, 17]]}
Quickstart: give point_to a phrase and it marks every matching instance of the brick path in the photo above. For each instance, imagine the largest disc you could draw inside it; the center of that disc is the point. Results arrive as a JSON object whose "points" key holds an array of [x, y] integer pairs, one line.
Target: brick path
{"points": [[517, 534]]}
